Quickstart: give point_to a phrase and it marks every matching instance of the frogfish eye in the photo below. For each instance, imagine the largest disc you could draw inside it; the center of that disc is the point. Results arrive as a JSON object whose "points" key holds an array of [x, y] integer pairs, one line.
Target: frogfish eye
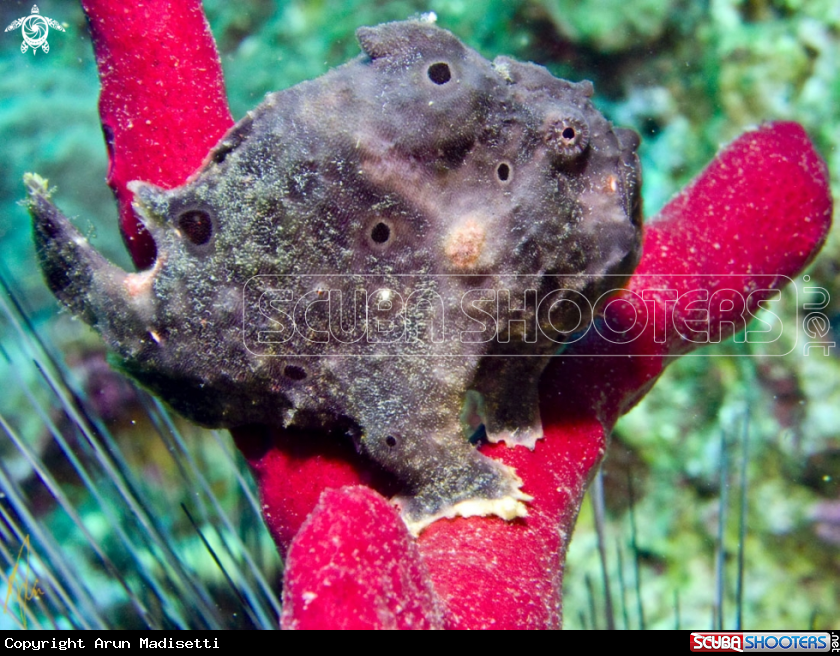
{"points": [[196, 225]]}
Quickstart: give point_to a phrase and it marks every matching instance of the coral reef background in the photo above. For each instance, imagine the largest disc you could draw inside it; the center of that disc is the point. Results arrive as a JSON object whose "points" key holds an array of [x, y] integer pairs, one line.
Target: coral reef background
{"points": [[689, 76]]}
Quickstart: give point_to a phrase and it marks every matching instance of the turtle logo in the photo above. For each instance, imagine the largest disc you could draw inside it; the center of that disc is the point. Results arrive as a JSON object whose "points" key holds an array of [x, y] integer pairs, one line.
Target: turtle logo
{"points": [[35, 29]]}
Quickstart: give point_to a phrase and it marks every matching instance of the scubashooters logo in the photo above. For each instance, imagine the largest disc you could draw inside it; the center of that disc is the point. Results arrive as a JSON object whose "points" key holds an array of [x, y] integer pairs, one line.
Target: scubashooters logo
{"points": [[436, 315], [753, 641], [816, 325], [35, 29]]}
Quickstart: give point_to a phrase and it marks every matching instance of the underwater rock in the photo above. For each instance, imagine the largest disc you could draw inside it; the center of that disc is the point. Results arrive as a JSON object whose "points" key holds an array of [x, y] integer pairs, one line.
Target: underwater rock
{"points": [[390, 252]]}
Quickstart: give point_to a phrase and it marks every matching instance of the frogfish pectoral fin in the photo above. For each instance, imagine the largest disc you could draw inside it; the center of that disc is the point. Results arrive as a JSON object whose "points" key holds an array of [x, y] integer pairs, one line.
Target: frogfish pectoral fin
{"points": [[447, 478], [481, 488]]}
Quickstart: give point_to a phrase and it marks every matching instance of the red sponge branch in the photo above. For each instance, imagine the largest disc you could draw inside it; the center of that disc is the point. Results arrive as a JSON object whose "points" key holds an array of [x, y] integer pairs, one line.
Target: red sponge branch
{"points": [[163, 103], [360, 569]]}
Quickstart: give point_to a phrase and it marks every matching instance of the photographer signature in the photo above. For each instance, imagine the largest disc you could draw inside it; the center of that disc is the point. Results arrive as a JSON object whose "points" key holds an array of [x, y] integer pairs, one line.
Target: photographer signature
{"points": [[19, 584]]}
